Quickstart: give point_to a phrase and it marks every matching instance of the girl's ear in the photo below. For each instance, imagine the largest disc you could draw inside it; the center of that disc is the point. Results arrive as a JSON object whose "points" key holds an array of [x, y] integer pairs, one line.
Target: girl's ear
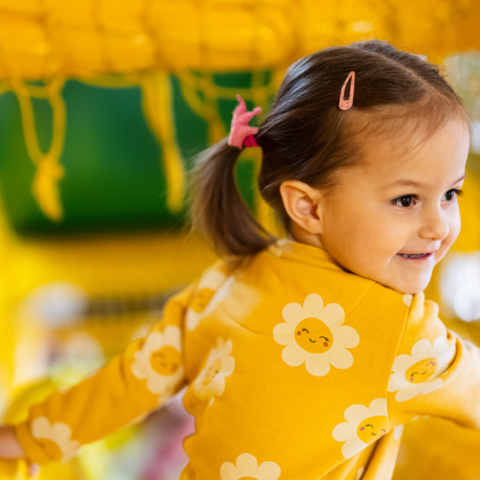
{"points": [[303, 205]]}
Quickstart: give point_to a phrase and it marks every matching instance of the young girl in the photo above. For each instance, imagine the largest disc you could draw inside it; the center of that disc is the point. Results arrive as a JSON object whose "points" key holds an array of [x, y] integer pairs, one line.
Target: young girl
{"points": [[304, 357]]}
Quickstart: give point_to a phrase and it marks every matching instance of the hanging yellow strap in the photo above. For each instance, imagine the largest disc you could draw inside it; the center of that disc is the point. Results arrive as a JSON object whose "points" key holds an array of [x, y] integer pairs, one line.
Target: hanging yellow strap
{"points": [[49, 172], [45, 188], [158, 109]]}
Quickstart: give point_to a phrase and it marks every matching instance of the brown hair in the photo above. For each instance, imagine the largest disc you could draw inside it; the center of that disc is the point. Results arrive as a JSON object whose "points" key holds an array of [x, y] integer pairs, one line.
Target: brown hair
{"points": [[305, 135]]}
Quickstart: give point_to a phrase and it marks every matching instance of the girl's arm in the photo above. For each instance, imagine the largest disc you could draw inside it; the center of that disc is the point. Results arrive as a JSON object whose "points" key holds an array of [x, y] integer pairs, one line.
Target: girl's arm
{"points": [[435, 372], [117, 395]]}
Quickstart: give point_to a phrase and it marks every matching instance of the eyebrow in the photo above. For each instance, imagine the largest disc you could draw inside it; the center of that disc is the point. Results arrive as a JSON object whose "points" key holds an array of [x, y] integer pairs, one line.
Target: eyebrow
{"points": [[412, 183]]}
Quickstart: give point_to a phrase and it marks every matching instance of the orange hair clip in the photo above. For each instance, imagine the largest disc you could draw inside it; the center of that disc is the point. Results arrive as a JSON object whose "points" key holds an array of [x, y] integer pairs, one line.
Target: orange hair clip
{"points": [[346, 104]]}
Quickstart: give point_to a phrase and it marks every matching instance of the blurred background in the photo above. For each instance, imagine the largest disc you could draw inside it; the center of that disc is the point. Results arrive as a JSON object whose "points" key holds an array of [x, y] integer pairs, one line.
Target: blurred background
{"points": [[103, 106]]}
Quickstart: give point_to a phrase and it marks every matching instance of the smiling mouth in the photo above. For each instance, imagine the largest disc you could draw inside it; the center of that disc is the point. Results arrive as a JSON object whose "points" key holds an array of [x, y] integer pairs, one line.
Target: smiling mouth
{"points": [[415, 255]]}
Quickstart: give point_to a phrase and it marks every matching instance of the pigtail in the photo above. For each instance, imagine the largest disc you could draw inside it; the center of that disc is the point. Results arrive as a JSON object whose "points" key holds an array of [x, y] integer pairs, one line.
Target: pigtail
{"points": [[218, 210]]}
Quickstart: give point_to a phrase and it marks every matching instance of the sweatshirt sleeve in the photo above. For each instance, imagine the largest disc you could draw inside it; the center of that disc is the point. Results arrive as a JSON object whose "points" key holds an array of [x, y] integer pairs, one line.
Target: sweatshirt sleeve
{"points": [[434, 373], [119, 394]]}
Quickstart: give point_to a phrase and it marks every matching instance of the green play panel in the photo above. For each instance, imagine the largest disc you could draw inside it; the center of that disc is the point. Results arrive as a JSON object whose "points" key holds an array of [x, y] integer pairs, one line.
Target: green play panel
{"points": [[114, 176]]}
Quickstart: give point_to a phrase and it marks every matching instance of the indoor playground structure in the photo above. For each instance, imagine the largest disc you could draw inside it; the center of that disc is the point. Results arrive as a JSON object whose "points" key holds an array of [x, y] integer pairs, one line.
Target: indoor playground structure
{"points": [[103, 106]]}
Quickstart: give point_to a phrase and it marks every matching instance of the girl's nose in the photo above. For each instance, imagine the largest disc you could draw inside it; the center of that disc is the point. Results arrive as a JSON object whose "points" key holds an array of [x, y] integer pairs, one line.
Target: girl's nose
{"points": [[434, 226]]}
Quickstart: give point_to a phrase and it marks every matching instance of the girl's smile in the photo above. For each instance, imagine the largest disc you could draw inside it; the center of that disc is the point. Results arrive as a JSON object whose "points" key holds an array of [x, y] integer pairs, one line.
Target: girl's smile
{"points": [[416, 256]]}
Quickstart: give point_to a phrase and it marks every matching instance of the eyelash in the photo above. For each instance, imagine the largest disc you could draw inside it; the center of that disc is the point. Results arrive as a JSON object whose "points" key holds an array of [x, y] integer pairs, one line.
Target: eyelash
{"points": [[457, 191]]}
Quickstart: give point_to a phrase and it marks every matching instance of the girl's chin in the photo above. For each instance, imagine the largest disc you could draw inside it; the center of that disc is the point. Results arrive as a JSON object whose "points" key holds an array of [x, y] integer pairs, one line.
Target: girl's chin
{"points": [[405, 280], [410, 285]]}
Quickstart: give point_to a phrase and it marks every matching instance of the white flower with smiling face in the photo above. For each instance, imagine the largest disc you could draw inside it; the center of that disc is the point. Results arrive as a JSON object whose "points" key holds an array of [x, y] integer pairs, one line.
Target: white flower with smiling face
{"points": [[210, 381], [315, 335], [247, 468], [363, 427], [159, 362], [55, 439], [212, 289], [417, 374]]}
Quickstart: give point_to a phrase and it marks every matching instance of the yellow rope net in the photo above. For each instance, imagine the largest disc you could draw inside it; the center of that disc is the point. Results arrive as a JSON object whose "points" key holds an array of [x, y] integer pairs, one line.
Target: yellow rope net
{"points": [[143, 41]]}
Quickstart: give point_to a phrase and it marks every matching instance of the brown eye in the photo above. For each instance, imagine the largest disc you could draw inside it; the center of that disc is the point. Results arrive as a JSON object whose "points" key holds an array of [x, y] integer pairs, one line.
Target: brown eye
{"points": [[450, 195], [405, 201]]}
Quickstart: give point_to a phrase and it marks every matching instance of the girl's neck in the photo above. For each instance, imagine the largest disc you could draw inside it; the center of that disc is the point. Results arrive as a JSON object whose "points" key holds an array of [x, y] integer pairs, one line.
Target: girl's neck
{"points": [[302, 236]]}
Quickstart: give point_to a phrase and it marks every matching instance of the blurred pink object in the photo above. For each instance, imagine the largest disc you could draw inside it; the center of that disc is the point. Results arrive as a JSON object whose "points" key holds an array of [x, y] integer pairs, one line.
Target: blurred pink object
{"points": [[241, 133], [168, 427]]}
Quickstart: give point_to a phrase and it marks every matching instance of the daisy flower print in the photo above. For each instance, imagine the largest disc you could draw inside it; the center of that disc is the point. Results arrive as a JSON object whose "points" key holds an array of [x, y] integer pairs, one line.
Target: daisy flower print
{"points": [[247, 468], [211, 380], [417, 373], [212, 289], [55, 438], [159, 362], [313, 334], [363, 426]]}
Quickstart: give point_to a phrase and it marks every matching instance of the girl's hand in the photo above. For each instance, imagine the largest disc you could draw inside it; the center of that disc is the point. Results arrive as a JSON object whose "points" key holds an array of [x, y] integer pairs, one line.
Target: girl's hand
{"points": [[9, 446], [10, 449]]}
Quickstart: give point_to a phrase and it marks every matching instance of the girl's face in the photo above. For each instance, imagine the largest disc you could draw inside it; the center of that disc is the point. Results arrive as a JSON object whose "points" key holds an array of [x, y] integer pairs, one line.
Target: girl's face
{"points": [[394, 217]]}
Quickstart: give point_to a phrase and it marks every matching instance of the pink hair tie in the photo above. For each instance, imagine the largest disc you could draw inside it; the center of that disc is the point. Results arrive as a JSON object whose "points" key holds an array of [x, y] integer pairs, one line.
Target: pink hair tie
{"points": [[240, 132]]}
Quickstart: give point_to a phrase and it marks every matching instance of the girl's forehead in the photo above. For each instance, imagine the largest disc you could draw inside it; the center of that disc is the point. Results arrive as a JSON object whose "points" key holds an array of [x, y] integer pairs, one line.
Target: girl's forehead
{"points": [[441, 157]]}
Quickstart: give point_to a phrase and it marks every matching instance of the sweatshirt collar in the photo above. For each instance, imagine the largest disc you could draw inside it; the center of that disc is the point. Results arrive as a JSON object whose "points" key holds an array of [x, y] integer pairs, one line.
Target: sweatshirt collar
{"points": [[302, 252]]}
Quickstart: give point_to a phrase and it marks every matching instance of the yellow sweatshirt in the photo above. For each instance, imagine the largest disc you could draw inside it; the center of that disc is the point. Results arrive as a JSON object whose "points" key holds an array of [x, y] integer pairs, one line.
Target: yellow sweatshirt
{"points": [[295, 369]]}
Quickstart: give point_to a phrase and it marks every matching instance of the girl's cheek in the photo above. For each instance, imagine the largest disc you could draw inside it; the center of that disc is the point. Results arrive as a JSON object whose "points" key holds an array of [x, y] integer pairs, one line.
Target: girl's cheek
{"points": [[454, 223]]}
